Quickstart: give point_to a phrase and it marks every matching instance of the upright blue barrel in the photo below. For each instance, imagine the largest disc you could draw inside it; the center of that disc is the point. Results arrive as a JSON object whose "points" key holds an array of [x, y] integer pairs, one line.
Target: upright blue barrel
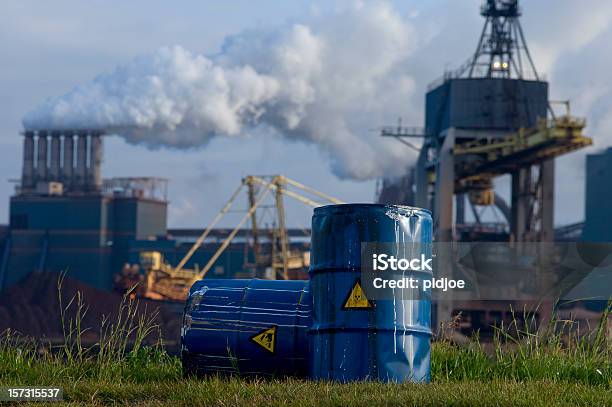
{"points": [[389, 340], [250, 327]]}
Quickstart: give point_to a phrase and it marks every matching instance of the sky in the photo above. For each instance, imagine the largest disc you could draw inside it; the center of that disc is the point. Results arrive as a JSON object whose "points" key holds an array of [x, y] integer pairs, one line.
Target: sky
{"points": [[49, 48]]}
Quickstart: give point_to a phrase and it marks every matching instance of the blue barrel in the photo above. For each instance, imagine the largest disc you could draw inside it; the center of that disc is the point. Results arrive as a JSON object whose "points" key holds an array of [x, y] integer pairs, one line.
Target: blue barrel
{"points": [[386, 340], [247, 327]]}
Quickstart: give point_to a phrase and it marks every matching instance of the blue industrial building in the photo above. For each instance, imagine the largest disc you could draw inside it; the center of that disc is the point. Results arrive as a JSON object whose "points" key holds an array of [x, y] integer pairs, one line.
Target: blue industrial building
{"points": [[86, 236], [486, 104], [65, 218], [598, 223], [497, 92]]}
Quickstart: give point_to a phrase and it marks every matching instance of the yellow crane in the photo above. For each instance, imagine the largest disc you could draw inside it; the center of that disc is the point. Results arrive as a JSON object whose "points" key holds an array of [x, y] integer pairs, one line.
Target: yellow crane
{"points": [[166, 282]]}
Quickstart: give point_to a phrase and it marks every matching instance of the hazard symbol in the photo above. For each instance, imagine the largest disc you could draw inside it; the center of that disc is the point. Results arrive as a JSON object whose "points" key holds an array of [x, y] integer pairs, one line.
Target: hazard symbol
{"points": [[266, 339], [357, 298]]}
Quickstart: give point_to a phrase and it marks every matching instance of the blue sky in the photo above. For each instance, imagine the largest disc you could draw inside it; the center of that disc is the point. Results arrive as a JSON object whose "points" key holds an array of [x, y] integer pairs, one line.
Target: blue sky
{"points": [[50, 47]]}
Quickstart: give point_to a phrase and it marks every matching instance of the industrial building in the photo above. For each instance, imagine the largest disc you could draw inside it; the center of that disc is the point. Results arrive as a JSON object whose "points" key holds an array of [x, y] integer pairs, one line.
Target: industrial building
{"points": [[598, 224], [65, 218], [492, 117]]}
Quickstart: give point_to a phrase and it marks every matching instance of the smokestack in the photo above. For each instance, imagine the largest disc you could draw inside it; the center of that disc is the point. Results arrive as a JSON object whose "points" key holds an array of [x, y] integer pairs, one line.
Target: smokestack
{"points": [[95, 163], [27, 178], [54, 167], [68, 166], [41, 165], [81, 164]]}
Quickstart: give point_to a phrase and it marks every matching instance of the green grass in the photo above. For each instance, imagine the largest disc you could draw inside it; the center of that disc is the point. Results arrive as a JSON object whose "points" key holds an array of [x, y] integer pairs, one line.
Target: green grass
{"points": [[460, 376], [556, 353], [219, 392], [553, 366]]}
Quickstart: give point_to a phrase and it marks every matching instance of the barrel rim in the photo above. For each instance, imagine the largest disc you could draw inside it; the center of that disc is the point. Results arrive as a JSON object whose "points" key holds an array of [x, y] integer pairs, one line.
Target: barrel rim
{"points": [[346, 207]]}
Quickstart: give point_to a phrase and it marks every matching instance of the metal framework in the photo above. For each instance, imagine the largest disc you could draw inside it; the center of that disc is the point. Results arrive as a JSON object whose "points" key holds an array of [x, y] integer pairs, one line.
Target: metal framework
{"points": [[173, 282], [399, 191], [501, 155], [502, 50], [469, 166], [460, 162], [401, 133], [490, 117]]}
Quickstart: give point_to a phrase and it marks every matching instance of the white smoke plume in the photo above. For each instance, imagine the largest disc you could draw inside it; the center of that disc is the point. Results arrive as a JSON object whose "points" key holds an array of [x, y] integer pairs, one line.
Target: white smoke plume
{"points": [[319, 82]]}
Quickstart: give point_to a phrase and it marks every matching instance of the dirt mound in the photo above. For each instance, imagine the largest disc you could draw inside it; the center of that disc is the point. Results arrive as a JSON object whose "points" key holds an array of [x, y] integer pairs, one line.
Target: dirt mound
{"points": [[32, 308]]}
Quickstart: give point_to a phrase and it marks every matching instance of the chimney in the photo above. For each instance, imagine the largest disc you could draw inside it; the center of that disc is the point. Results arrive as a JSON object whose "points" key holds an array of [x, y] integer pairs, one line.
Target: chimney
{"points": [[27, 177], [81, 164], [68, 165], [95, 163], [54, 166], [41, 165]]}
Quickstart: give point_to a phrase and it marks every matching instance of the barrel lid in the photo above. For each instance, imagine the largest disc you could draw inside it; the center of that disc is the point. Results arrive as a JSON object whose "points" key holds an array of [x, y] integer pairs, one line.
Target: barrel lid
{"points": [[358, 207]]}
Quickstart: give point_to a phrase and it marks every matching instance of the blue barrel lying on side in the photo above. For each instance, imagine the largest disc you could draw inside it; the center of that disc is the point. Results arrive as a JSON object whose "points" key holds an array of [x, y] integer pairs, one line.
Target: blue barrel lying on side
{"points": [[353, 337], [250, 327]]}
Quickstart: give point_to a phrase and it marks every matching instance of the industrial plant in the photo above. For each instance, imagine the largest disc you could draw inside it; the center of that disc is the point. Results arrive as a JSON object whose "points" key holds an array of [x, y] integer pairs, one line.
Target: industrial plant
{"points": [[489, 118]]}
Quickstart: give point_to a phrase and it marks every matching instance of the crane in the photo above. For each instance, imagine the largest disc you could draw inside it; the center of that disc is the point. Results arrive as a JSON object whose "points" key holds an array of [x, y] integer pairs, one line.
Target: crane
{"points": [[164, 281]]}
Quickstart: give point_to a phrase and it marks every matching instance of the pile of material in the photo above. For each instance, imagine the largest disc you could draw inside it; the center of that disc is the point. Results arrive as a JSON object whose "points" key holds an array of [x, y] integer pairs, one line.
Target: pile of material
{"points": [[33, 308]]}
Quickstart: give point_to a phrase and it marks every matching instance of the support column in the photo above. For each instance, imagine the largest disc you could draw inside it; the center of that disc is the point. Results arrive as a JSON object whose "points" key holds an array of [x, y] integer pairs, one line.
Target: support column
{"points": [[68, 165], [254, 227], [521, 203], [460, 210], [422, 186], [547, 176], [81, 161], [445, 189], [41, 164], [443, 222], [27, 177], [282, 229], [95, 173], [54, 167], [547, 234]]}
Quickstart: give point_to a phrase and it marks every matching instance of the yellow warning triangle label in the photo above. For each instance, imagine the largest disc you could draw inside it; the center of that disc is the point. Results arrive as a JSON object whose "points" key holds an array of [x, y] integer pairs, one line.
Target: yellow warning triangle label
{"points": [[266, 339], [357, 298]]}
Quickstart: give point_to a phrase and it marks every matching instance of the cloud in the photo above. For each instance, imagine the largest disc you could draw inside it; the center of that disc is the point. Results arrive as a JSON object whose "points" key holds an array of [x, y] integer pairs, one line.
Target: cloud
{"points": [[557, 28], [315, 81]]}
